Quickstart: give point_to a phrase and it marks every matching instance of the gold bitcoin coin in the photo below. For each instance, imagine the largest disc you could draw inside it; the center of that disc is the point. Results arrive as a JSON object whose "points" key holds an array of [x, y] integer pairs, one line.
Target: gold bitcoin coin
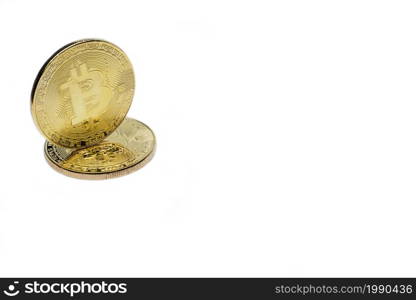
{"points": [[127, 149], [82, 93]]}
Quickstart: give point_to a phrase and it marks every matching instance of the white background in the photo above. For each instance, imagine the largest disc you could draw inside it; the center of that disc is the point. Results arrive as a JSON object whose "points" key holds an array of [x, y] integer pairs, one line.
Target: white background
{"points": [[286, 141]]}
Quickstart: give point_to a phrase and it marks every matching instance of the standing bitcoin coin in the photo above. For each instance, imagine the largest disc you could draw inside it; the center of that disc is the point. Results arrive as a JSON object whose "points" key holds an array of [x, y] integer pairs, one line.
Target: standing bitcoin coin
{"points": [[127, 149], [82, 93]]}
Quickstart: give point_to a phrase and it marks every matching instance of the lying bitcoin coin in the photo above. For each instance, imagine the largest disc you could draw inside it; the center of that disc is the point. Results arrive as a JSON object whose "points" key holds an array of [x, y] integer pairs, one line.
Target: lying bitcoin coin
{"points": [[82, 93], [127, 149]]}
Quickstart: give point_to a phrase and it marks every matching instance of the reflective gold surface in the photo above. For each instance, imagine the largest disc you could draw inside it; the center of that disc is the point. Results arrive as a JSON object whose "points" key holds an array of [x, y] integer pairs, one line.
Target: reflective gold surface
{"points": [[127, 149], [82, 93]]}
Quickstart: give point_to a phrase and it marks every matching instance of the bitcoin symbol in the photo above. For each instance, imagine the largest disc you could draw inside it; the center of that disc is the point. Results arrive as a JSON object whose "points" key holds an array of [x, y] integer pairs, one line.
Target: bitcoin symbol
{"points": [[89, 93]]}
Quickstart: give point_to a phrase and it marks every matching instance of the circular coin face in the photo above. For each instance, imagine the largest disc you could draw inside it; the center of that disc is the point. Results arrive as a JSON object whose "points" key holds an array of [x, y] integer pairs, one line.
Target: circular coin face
{"points": [[127, 149], [82, 93]]}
